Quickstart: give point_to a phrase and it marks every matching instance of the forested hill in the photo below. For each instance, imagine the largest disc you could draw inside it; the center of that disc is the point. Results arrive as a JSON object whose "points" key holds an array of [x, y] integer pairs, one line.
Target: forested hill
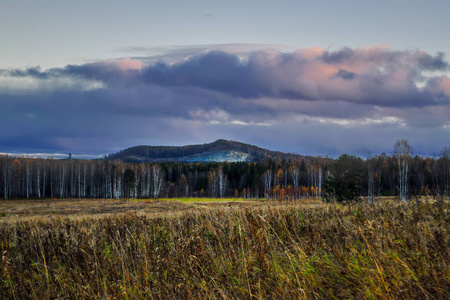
{"points": [[218, 151]]}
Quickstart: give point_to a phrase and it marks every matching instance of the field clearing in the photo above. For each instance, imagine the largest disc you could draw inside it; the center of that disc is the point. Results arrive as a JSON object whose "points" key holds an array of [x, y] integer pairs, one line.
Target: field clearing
{"points": [[200, 200], [15, 210]]}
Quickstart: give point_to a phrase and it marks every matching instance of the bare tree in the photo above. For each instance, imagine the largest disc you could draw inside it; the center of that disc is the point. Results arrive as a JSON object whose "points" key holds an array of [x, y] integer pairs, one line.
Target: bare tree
{"points": [[6, 172], [213, 183], [158, 180], [184, 185], [267, 178], [223, 182], [402, 152], [295, 175], [118, 172], [320, 181], [444, 170], [146, 180], [370, 181], [311, 180], [43, 178], [28, 174], [38, 180]]}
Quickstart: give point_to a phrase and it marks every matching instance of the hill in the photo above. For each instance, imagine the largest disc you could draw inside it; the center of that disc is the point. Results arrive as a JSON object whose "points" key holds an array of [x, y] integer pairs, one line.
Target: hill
{"points": [[218, 151]]}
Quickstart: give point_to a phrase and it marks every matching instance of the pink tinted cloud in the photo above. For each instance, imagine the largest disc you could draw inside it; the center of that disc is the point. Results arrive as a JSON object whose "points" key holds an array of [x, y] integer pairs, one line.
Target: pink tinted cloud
{"points": [[445, 84], [439, 84], [310, 53], [130, 64]]}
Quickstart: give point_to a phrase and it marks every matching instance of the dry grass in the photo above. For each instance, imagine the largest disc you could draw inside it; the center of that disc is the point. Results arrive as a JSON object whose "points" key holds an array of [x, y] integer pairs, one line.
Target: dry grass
{"points": [[16, 210], [266, 251]]}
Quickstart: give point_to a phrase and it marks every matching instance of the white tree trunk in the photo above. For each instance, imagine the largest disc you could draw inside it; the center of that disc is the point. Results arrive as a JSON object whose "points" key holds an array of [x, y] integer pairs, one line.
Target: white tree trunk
{"points": [[223, 182], [267, 180], [6, 182], [295, 175], [158, 180], [27, 176], [403, 153], [38, 181], [62, 181], [319, 186]]}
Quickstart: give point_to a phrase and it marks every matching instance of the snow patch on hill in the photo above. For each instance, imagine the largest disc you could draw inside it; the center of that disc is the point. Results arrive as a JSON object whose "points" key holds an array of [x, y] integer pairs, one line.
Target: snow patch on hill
{"points": [[209, 156], [220, 156]]}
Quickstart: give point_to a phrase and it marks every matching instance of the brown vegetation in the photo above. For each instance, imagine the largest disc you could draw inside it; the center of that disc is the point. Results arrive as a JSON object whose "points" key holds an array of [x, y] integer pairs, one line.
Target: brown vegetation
{"points": [[19, 210], [272, 251]]}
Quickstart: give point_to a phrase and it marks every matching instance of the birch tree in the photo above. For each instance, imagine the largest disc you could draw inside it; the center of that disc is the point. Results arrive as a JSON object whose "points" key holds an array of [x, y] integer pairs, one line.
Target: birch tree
{"points": [[27, 177], [444, 171], [223, 182], [370, 180], [158, 180], [38, 180], [402, 152], [62, 180], [320, 182], [213, 183], [267, 178], [295, 175], [6, 172]]}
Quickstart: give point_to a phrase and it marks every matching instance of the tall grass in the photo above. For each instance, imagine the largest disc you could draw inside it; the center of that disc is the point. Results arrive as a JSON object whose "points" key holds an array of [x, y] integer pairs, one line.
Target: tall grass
{"points": [[275, 251]]}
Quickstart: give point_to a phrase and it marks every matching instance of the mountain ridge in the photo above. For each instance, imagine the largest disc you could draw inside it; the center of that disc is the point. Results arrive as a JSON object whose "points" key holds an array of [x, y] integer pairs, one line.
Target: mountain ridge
{"points": [[220, 150]]}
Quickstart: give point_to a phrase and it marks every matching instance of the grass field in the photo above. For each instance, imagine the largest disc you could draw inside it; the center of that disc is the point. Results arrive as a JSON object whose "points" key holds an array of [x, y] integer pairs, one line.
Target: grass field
{"points": [[109, 249], [199, 200], [15, 210]]}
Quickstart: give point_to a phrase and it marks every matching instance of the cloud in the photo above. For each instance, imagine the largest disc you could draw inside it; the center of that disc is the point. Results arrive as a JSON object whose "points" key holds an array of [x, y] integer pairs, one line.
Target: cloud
{"points": [[428, 62], [338, 57], [175, 54], [375, 75], [306, 96], [344, 74]]}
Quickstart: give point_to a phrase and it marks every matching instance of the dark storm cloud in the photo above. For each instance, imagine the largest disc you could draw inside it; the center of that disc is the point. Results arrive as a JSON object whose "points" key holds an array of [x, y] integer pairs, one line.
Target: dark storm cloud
{"points": [[338, 57], [107, 71], [111, 118], [437, 62], [344, 74], [29, 72], [217, 71]]}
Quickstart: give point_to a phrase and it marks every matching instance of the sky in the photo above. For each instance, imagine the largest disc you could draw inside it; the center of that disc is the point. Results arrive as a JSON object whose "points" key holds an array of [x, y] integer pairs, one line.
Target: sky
{"points": [[308, 77]]}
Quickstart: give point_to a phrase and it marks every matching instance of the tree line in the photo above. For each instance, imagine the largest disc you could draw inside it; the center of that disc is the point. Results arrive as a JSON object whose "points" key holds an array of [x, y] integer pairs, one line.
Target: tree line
{"points": [[346, 178]]}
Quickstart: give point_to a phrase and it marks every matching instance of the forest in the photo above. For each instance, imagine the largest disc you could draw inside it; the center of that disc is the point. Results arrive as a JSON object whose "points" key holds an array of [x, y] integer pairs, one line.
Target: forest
{"points": [[345, 178]]}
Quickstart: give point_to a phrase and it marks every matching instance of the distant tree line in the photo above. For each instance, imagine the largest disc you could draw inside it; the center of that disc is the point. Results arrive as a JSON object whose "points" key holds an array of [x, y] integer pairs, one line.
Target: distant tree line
{"points": [[352, 178], [75, 178], [346, 178]]}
